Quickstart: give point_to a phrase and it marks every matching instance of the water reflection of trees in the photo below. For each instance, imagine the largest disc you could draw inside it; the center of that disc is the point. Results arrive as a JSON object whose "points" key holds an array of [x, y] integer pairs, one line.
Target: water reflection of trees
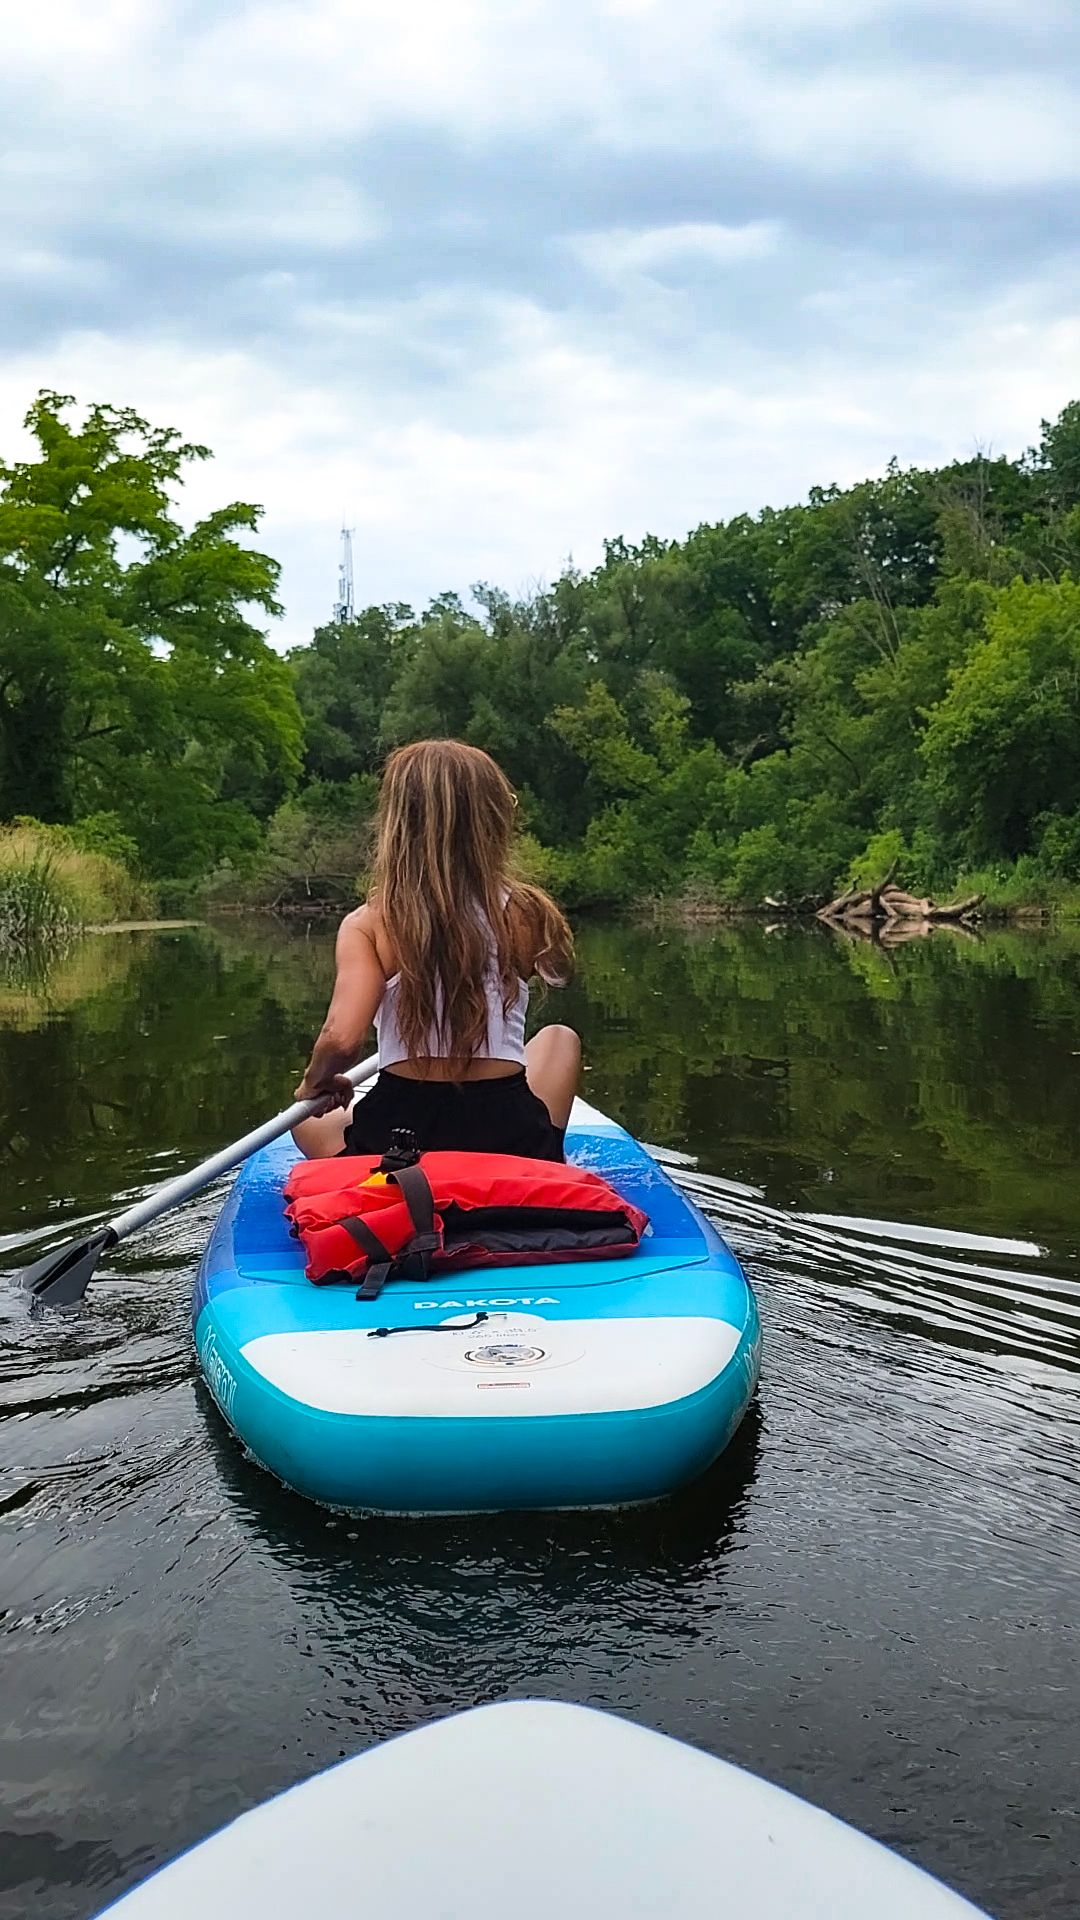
{"points": [[39, 983], [844, 1076], [796, 1061], [133, 1053]]}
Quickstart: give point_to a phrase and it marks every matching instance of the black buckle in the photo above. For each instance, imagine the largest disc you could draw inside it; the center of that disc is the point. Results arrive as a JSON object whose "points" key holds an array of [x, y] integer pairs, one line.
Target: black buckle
{"points": [[403, 1151]]}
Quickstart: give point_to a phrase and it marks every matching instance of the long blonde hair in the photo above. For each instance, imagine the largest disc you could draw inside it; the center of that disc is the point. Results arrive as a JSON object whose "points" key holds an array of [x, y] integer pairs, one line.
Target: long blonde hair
{"points": [[444, 885]]}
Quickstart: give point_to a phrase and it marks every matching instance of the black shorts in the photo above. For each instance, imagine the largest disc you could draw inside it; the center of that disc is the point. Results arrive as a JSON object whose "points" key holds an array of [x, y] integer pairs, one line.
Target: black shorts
{"points": [[459, 1116]]}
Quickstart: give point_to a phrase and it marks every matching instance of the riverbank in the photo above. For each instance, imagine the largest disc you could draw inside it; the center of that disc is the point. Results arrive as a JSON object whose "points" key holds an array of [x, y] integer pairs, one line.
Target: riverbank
{"points": [[687, 909], [143, 926], [52, 887], [1004, 903], [1007, 896]]}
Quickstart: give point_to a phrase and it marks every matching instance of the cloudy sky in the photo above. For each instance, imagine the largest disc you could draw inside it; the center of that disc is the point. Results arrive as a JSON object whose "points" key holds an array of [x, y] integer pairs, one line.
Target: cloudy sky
{"points": [[498, 278]]}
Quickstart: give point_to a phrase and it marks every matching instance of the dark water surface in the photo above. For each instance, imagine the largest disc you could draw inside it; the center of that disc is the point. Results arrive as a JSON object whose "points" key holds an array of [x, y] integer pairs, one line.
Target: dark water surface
{"points": [[874, 1600]]}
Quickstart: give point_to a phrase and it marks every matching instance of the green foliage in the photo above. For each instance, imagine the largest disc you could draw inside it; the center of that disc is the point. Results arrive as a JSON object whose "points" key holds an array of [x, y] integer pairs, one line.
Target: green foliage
{"points": [[774, 705], [132, 681], [1059, 845], [1058, 459], [314, 853], [51, 884], [1002, 748], [343, 681], [34, 905], [885, 673], [104, 833], [884, 852]]}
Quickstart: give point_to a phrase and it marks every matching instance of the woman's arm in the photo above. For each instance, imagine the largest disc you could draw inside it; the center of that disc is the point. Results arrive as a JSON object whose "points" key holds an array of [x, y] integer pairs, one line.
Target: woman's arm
{"points": [[358, 989]]}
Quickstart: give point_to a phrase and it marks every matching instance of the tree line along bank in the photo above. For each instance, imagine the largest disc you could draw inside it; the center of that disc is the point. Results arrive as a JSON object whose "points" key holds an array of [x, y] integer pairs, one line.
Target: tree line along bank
{"points": [[884, 677]]}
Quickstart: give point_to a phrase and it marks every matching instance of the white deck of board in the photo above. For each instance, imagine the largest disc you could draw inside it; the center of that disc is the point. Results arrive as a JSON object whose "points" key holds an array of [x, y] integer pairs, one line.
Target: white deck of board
{"points": [[515, 1362], [536, 1811]]}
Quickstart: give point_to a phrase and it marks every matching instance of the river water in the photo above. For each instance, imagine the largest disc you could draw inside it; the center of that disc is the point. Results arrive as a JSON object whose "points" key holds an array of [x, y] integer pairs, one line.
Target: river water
{"points": [[874, 1598]]}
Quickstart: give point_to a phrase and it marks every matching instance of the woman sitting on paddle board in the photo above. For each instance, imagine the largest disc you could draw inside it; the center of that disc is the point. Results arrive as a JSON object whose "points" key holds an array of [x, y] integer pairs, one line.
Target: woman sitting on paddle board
{"points": [[439, 959]]}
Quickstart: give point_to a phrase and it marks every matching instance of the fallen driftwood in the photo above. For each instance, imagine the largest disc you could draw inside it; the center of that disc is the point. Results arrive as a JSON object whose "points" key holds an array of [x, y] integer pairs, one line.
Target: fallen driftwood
{"points": [[887, 908]]}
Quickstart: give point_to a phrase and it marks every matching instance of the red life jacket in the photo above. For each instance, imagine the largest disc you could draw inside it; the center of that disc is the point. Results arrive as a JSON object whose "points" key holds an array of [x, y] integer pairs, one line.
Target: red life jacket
{"points": [[451, 1210]]}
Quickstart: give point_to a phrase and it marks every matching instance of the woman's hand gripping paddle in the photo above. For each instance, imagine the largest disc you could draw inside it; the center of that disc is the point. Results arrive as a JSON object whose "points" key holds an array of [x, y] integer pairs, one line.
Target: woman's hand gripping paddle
{"points": [[62, 1277]]}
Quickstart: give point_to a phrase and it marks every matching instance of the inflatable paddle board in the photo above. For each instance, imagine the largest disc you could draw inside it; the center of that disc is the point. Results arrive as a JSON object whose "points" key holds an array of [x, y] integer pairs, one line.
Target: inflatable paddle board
{"points": [[541, 1812], [591, 1383]]}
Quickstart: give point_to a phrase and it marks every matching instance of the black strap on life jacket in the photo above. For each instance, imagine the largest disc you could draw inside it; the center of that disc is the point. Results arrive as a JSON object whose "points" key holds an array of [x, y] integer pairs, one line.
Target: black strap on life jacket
{"points": [[374, 1280], [380, 1259], [414, 1260], [415, 1189]]}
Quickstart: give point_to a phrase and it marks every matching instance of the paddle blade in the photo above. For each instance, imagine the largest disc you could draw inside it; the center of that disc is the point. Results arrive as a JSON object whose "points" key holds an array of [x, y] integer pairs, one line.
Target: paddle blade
{"points": [[62, 1277]]}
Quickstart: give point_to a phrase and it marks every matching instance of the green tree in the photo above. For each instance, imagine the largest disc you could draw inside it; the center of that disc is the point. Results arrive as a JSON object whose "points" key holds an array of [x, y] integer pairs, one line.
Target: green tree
{"points": [[1057, 459], [343, 681], [1002, 748], [132, 679], [494, 681], [768, 705], [649, 796]]}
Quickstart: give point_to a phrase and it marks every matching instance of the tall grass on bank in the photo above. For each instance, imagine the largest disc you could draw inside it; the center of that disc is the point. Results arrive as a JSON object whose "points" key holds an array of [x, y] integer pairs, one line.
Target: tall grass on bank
{"points": [[50, 887], [1021, 891], [33, 907]]}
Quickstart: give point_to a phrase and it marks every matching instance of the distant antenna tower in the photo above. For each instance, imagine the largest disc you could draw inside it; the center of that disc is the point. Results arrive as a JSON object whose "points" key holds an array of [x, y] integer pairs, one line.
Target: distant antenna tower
{"points": [[345, 609]]}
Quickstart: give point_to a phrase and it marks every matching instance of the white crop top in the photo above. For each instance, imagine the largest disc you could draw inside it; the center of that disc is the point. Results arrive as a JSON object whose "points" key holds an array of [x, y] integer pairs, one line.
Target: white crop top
{"points": [[505, 1038]]}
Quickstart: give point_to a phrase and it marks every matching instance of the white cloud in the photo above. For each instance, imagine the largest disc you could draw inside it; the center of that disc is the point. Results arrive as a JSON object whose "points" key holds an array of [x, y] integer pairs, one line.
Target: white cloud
{"points": [[45, 267], [986, 133], [707, 76], [688, 258], [649, 250], [552, 440], [319, 214]]}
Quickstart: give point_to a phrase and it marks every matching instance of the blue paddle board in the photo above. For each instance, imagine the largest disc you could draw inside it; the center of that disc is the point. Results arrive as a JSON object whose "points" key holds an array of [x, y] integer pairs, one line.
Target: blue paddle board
{"points": [[591, 1383]]}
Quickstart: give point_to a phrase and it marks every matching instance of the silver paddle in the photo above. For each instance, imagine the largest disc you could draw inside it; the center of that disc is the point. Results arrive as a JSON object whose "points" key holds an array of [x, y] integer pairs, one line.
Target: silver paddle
{"points": [[62, 1277]]}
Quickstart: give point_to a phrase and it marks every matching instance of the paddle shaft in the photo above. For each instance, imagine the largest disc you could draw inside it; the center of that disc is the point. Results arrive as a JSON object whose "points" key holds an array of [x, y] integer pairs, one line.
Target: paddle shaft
{"points": [[182, 1188]]}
